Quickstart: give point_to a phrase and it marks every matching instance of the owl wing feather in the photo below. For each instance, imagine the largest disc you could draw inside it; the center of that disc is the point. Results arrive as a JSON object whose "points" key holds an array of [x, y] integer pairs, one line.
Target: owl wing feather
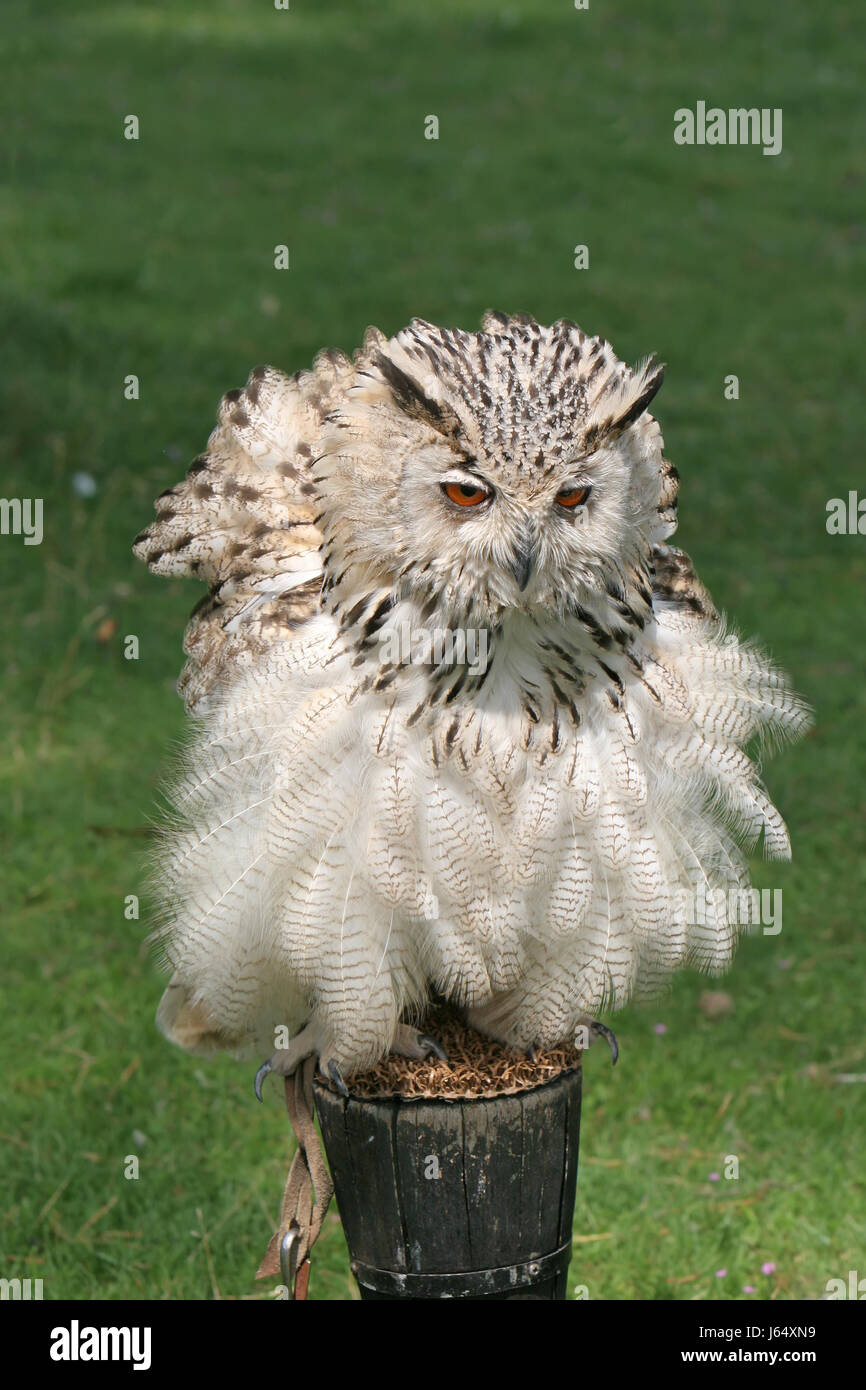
{"points": [[675, 584], [243, 520]]}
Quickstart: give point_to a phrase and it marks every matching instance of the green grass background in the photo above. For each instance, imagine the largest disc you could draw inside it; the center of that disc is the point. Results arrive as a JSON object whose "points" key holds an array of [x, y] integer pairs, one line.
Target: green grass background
{"points": [[155, 257]]}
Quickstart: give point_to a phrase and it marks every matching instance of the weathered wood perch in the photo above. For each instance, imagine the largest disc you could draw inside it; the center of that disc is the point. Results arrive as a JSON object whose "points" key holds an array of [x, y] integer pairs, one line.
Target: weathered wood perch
{"points": [[457, 1198]]}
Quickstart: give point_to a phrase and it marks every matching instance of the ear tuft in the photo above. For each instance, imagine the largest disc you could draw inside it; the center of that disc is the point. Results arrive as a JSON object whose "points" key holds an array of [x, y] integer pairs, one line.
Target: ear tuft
{"points": [[614, 410], [648, 383]]}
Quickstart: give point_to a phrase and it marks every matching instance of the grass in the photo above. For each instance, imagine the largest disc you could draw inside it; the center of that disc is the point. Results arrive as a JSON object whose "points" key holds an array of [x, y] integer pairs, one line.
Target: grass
{"points": [[155, 258]]}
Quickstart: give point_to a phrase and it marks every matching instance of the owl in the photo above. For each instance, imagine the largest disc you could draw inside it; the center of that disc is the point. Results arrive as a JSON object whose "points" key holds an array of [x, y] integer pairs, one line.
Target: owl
{"points": [[464, 723]]}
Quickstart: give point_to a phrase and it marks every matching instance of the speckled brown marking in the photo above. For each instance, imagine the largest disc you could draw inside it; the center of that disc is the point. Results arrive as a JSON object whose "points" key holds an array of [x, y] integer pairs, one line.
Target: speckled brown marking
{"points": [[675, 581]]}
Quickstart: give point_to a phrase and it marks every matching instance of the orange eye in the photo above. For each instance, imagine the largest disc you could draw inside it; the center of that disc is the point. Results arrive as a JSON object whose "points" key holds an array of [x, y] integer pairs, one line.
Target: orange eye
{"points": [[465, 494], [573, 497]]}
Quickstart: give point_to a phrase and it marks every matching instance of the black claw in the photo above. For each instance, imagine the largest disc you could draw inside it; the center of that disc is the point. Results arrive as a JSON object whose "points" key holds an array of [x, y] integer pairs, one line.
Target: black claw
{"points": [[532, 1052], [433, 1046], [336, 1077], [260, 1076], [602, 1031]]}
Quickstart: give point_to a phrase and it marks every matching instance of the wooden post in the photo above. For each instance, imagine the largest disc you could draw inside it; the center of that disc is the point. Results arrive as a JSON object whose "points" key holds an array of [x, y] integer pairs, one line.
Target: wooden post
{"points": [[469, 1199]]}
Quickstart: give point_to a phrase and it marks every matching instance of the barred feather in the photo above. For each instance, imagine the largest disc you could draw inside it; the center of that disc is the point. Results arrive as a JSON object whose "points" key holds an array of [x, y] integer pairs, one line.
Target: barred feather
{"points": [[529, 838]]}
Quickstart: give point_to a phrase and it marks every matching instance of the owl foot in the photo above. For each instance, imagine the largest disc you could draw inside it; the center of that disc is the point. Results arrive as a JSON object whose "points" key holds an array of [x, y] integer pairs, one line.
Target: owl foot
{"points": [[408, 1042], [280, 1067], [337, 1077], [286, 1060], [589, 1028]]}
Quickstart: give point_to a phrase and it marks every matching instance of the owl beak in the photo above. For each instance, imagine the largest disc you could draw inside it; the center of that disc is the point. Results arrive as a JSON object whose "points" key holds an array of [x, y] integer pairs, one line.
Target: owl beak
{"points": [[523, 563]]}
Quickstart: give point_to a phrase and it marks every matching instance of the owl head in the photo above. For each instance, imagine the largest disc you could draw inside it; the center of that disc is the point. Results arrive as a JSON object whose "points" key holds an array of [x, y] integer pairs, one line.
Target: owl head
{"points": [[481, 474]]}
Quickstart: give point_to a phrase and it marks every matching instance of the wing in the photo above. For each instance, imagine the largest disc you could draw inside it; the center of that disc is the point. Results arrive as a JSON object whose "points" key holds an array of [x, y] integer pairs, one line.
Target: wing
{"points": [[675, 584], [243, 520]]}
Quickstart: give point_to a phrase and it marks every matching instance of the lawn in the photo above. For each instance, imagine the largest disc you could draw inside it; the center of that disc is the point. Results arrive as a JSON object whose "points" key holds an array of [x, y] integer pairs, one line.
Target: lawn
{"points": [[154, 258]]}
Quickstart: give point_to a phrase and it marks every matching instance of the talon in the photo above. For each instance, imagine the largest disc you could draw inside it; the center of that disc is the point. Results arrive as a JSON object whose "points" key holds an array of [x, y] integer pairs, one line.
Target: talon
{"points": [[602, 1031], [336, 1077], [406, 1042], [433, 1046], [260, 1076], [532, 1052]]}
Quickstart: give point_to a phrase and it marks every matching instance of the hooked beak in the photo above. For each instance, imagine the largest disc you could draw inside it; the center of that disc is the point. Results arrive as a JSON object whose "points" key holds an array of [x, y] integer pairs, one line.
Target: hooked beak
{"points": [[523, 561]]}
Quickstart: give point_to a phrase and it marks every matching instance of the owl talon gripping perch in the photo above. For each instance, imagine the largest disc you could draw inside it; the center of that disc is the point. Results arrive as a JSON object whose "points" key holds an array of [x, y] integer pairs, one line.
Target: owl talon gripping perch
{"points": [[329, 1070], [601, 1030], [407, 1041], [264, 1070], [433, 1047], [466, 723], [337, 1077]]}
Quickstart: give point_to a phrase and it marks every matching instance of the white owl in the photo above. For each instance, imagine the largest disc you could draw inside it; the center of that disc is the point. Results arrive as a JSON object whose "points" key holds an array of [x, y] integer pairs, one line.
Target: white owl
{"points": [[464, 722]]}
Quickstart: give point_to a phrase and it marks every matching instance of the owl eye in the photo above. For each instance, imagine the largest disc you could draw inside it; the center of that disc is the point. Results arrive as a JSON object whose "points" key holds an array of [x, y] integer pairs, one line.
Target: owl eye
{"points": [[573, 496], [465, 494]]}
